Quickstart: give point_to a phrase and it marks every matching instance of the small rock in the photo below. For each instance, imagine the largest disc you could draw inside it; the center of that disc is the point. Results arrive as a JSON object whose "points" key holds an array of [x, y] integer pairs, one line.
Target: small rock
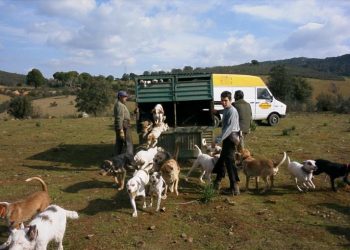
{"points": [[89, 236], [271, 201], [189, 239], [162, 209], [152, 227], [230, 202], [280, 220], [183, 235], [140, 243], [217, 207], [230, 233]]}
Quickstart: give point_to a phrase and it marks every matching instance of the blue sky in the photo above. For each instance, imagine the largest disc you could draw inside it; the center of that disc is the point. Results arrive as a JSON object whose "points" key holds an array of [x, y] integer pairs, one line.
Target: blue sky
{"points": [[112, 37]]}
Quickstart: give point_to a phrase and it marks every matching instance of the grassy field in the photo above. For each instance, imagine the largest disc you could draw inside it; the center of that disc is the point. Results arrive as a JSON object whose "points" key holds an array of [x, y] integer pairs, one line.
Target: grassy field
{"points": [[67, 153]]}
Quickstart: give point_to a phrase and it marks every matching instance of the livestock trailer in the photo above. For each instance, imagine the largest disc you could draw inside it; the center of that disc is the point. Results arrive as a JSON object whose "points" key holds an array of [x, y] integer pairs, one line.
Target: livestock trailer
{"points": [[188, 103]]}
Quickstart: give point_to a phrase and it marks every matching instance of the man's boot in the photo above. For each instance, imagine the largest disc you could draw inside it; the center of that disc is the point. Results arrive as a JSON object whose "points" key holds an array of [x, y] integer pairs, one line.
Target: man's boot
{"points": [[236, 189]]}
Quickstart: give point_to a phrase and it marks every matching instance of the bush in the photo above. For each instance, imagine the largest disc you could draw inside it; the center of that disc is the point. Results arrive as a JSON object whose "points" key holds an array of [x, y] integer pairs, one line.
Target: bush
{"points": [[4, 106], [20, 107], [208, 193]]}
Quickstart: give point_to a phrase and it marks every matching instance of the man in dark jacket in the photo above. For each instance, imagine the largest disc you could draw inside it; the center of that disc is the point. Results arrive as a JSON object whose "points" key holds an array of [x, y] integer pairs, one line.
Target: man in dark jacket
{"points": [[245, 115], [123, 139]]}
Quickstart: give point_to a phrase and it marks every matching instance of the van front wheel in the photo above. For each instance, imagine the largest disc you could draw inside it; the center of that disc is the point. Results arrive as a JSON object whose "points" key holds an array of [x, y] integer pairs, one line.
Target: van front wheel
{"points": [[273, 119]]}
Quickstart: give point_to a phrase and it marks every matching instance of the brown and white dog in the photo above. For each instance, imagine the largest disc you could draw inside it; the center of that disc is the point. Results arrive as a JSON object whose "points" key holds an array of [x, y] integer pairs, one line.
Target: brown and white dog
{"points": [[146, 128], [170, 172], [20, 211], [157, 130], [158, 114], [211, 149], [264, 168]]}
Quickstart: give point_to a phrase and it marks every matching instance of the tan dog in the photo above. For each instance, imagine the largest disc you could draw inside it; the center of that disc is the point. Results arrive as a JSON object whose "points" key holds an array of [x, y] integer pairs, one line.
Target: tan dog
{"points": [[20, 211], [152, 137], [264, 168], [170, 172]]}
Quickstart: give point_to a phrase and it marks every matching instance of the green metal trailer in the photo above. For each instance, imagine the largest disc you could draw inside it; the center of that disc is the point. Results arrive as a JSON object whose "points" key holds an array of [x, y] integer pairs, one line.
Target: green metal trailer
{"points": [[188, 103]]}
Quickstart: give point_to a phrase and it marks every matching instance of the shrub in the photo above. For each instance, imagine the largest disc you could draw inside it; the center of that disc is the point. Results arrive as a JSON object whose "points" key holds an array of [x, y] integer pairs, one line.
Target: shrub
{"points": [[253, 126], [207, 193], [325, 102], [20, 107], [4, 106], [53, 104], [288, 131]]}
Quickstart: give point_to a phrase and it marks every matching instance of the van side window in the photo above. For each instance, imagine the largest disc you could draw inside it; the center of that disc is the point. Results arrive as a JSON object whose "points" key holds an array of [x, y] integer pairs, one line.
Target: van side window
{"points": [[262, 93]]}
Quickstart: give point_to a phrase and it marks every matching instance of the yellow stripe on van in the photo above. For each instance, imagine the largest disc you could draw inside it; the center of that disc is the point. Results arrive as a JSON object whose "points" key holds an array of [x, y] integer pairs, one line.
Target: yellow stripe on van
{"points": [[226, 80]]}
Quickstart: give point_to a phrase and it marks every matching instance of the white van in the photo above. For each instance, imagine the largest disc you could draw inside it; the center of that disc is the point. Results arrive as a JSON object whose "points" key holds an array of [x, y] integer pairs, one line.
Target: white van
{"points": [[264, 105]]}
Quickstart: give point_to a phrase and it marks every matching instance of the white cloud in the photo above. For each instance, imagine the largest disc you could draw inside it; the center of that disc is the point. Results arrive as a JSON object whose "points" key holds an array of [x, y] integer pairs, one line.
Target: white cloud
{"points": [[75, 8], [138, 35]]}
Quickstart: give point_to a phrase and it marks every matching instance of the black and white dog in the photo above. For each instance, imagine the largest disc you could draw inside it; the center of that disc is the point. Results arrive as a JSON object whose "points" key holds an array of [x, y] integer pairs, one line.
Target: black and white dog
{"points": [[117, 167], [333, 170]]}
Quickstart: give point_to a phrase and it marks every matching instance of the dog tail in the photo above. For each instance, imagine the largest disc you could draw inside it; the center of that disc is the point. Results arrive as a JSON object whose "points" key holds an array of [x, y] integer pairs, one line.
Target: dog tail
{"points": [[281, 162], [71, 214], [198, 150], [43, 184]]}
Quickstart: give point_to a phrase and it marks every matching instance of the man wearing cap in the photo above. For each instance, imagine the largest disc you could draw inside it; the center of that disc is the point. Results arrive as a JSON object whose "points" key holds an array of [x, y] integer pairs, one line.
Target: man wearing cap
{"points": [[122, 125]]}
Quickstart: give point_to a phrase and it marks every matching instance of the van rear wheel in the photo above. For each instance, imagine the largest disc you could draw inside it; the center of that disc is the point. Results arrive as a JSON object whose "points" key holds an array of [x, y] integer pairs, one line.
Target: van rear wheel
{"points": [[273, 119]]}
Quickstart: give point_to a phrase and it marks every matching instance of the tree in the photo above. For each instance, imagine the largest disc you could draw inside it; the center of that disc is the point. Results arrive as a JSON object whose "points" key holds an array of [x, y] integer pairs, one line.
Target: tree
{"points": [[301, 90], [110, 78], [255, 62], [95, 96], [20, 107], [35, 78], [279, 82], [188, 69]]}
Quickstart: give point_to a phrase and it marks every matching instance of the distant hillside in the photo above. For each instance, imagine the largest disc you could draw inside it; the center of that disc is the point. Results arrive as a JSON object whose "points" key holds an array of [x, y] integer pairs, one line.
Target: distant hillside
{"points": [[11, 79], [330, 68]]}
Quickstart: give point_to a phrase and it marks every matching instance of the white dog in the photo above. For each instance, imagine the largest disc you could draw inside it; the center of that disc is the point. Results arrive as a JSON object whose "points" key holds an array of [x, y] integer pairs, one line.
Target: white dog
{"points": [[302, 173], [157, 187], [207, 163], [158, 114], [210, 149], [47, 226], [136, 186], [144, 158]]}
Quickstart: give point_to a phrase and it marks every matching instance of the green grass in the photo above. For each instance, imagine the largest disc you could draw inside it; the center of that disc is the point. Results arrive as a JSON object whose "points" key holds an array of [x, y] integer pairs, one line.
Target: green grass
{"points": [[67, 154]]}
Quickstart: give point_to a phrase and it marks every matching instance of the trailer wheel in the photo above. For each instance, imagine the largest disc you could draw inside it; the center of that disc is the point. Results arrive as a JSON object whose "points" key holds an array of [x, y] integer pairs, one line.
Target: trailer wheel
{"points": [[273, 119], [217, 121]]}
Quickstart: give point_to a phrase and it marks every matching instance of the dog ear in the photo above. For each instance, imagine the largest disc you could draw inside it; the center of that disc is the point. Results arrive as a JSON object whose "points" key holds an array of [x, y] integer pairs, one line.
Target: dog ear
{"points": [[32, 233], [3, 210]]}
